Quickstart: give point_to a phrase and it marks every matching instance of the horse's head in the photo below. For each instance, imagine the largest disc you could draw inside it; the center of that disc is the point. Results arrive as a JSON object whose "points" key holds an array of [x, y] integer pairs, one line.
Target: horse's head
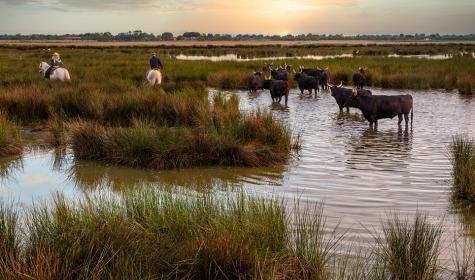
{"points": [[43, 67]]}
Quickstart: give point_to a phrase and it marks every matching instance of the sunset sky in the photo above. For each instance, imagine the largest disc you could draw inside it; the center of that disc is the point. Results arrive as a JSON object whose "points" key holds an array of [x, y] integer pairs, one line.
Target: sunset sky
{"points": [[245, 16]]}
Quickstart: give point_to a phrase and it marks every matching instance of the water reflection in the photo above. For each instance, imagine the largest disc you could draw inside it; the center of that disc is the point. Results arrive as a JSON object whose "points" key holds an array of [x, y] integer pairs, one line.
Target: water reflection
{"points": [[279, 107], [90, 175], [380, 149], [239, 58], [10, 167], [466, 214]]}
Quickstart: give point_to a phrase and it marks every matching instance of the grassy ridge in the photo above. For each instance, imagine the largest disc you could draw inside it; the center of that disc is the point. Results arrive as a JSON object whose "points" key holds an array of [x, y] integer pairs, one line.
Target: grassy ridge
{"points": [[152, 234], [115, 70], [9, 137], [462, 156]]}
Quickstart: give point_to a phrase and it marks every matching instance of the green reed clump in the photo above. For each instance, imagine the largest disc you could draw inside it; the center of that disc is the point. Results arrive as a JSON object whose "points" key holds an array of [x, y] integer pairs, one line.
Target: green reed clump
{"points": [[462, 157], [409, 250], [151, 234], [266, 142], [9, 137]]}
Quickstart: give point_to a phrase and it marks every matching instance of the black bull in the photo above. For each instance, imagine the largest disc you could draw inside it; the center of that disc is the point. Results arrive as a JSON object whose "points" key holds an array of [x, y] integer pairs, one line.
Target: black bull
{"points": [[323, 76], [359, 79], [377, 107], [277, 88], [342, 95], [306, 82], [255, 82]]}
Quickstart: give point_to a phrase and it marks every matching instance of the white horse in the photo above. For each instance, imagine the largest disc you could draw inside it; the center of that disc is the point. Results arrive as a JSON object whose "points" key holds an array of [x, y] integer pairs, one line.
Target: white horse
{"points": [[154, 77], [60, 74]]}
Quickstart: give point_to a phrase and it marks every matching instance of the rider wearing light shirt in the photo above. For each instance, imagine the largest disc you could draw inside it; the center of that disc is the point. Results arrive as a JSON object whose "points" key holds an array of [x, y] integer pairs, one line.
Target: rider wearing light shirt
{"points": [[55, 62]]}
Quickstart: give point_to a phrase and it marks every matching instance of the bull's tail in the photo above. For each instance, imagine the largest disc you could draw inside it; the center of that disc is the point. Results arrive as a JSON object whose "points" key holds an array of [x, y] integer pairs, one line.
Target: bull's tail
{"points": [[412, 114]]}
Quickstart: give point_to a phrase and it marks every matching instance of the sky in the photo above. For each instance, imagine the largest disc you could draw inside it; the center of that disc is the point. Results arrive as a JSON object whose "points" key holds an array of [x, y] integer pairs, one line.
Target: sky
{"points": [[238, 16]]}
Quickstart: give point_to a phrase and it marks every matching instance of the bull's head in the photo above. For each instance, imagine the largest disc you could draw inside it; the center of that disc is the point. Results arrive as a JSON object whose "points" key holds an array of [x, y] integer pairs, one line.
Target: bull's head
{"points": [[338, 86]]}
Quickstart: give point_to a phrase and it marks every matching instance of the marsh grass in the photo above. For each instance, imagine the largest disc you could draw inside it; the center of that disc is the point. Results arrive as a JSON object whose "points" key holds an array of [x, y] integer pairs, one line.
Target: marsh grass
{"points": [[462, 157], [120, 75], [410, 249], [155, 233], [9, 137], [149, 234], [253, 140], [464, 258]]}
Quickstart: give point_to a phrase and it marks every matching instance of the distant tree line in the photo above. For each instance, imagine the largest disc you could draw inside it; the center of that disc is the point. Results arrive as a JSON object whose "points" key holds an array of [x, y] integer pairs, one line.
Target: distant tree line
{"points": [[139, 35]]}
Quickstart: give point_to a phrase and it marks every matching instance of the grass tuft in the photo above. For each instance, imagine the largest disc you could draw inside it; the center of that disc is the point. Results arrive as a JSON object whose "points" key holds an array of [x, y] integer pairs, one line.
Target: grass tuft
{"points": [[410, 250], [462, 157], [9, 137]]}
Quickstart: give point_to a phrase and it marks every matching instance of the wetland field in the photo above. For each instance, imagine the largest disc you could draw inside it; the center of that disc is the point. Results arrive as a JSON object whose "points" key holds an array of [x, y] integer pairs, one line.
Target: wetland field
{"points": [[104, 177]]}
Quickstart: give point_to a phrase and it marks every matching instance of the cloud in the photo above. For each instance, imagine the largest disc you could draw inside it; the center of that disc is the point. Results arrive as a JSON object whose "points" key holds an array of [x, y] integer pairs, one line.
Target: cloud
{"points": [[111, 5]]}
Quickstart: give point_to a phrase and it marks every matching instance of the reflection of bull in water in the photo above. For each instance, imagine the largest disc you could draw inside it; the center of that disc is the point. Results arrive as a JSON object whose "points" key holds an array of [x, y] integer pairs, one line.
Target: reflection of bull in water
{"points": [[377, 148]]}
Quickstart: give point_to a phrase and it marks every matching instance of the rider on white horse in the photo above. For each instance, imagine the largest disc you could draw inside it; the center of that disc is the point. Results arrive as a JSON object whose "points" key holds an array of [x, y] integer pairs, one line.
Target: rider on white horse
{"points": [[155, 63], [154, 76], [55, 63]]}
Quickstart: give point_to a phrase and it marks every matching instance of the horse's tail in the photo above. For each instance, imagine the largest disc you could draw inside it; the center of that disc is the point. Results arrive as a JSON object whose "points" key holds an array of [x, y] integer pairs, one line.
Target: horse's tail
{"points": [[66, 75]]}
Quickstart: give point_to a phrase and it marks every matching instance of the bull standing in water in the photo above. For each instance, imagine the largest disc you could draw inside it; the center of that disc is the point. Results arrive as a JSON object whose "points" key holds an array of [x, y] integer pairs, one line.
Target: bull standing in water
{"points": [[342, 95], [375, 107], [306, 82], [277, 88], [322, 76], [359, 78], [255, 82], [281, 73]]}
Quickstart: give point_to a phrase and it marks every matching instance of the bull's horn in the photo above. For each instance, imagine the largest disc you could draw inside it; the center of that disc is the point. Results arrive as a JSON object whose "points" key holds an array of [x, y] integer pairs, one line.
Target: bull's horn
{"points": [[329, 85], [301, 67], [294, 71], [355, 92], [326, 68], [341, 84]]}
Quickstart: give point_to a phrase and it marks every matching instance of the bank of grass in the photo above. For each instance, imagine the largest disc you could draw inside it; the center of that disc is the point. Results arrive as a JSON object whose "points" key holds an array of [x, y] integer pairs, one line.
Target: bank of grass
{"points": [[9, 137], [160, 234], [462, 157]]}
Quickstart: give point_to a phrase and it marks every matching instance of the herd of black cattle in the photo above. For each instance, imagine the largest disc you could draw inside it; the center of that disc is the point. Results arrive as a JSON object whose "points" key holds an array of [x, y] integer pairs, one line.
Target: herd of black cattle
{"points": [[373, 107]]}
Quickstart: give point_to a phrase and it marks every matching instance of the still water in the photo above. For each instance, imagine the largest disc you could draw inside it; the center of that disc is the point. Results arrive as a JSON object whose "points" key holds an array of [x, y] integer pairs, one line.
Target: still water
{"points": [[360, 174], [238, 58]]}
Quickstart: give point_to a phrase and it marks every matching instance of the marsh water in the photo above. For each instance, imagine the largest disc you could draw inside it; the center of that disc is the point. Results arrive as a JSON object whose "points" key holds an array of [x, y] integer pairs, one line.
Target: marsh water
{"points": [[360, 174], [239, 58]]}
